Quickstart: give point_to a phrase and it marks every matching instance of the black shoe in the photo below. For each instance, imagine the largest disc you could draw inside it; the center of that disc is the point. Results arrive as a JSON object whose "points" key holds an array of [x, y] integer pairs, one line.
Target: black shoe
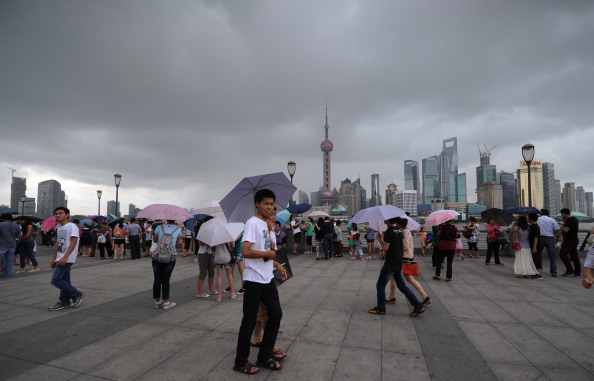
{"points": [[417, 312], [568, 274], [240, 291], [427, 301], [376, 311], [228, 289], [391, 301]]}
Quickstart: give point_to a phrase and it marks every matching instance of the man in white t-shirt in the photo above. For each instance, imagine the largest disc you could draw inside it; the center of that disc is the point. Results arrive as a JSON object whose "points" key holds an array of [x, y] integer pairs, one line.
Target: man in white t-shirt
{"points": [[259, 287], [65, 254]]}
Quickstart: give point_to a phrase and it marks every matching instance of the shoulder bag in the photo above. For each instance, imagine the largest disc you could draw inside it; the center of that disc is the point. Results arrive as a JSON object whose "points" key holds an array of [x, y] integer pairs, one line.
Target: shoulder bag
{"points": [[410, 268]]}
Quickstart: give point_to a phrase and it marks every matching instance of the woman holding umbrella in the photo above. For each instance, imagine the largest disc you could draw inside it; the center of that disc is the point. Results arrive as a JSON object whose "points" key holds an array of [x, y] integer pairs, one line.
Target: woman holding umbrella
{"points": [[493, 242], [447, 246]]}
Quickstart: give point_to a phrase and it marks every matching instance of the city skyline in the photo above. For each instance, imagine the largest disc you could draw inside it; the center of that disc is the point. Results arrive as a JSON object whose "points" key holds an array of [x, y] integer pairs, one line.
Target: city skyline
{"points": [[184, 101]]}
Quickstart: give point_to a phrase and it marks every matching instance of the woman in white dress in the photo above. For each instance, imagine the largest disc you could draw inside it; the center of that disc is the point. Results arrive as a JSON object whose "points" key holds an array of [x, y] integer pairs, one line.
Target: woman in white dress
{"points": [[523, 265]]}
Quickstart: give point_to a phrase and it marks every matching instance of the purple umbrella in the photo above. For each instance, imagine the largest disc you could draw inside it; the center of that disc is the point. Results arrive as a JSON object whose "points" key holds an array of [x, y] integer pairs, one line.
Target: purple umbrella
{"points": [[239, 206]]}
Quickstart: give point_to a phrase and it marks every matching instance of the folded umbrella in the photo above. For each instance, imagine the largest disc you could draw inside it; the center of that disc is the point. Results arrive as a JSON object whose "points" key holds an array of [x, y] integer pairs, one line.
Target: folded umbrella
{"points": [[440, 218], [377, 213], [238, 205], [218, 231], [164, 212]]}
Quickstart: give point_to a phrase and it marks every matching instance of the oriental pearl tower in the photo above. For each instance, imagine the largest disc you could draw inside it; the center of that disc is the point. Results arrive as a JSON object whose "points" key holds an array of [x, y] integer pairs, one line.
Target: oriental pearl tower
{"points": [[326, 197]]}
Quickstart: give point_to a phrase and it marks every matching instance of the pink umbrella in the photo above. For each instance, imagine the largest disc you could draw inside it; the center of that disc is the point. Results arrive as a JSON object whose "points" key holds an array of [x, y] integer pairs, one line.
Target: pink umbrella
{"points": [[164, 212], [49, 223], [440, 218]]}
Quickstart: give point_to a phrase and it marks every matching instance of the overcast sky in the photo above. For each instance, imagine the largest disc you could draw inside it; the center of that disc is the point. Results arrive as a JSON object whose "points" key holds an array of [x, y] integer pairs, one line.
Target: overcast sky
{"points": [[184, 98]]}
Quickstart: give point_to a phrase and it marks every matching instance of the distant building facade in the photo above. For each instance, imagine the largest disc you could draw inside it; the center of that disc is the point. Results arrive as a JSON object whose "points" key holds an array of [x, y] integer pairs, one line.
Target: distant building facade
{"points": [[508, 189], [407, 201], [111, 207], [391, 194], [536, 184], [49, 196], [411, 178], [490, 194], [18, 189], [376, 198], [431, 187], [568, 196]]}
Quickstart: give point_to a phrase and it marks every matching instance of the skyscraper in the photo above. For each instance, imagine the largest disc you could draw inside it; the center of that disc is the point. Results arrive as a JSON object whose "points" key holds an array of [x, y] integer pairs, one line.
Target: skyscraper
{"points": [[508, 189], [430, 179], [391, 194], [485, 174], [376, 198], [407, 201], [558, 196], [352, 194], [111, 207], [452, 184], [49, 196], [490, 194], [535, 184], [589, 202], [18, 189], [580, 200], [411, 178], [326, 197], [549, 187], [568, 196]]}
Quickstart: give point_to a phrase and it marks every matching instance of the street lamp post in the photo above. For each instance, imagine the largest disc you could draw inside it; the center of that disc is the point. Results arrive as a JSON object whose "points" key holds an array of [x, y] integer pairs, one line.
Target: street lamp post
{"points": [[528, 155], [291, 167], [23, 199], [118, 180], [99, 193]]}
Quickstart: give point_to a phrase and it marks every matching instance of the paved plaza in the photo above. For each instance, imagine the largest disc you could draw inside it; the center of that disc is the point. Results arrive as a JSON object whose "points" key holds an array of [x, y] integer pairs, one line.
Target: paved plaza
{"points": [[484, 325]]}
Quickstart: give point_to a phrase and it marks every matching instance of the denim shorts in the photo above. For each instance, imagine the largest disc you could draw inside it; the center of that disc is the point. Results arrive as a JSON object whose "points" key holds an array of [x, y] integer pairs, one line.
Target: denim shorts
{"points": [[238, 258]]}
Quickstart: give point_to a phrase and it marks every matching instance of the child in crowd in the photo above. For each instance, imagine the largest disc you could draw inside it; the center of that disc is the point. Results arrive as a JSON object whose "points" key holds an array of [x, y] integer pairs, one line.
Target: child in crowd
{"points": [[458, 252], [353, 233]]}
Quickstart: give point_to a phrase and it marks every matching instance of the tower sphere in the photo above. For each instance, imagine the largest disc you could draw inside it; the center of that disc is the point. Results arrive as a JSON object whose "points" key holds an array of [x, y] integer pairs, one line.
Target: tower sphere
{"points": [[326, 146]]}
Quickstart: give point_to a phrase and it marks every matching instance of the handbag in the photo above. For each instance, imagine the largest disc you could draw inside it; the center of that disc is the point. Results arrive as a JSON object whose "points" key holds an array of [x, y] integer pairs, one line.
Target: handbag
{"points": [[410, 268], [516, 244], [101, 239], [502, 237]]}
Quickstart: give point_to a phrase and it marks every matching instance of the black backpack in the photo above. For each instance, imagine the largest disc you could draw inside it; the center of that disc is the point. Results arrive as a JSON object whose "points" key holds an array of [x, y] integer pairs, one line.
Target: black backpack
{"points": [[448, 233]]}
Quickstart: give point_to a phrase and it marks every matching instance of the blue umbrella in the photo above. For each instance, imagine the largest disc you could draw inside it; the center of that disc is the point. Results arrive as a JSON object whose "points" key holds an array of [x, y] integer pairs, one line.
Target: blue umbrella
{"points": [[523, 210], [98, 217], [299, 208], [85, 221], [4, 209], [238, 205], [283, 216]]}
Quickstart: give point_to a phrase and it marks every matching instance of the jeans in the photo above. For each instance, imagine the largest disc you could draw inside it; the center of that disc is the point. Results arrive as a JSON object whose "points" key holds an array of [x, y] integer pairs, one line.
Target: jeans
{"points": [[25, 250], [549, 243], [134, 246], [449, 254], [7, 254], [253, 295], [61, 280], [493, 250], [386, 273], [328, 247], [568, 254], [162, 273]]}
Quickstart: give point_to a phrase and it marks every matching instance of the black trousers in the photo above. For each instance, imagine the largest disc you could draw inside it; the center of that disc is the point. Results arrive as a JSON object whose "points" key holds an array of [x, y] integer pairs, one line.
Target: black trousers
{"points": [[569, 254], [435, 257], [134, 246], [443, 254], [253, 295], [162, 272], [493, 250]]}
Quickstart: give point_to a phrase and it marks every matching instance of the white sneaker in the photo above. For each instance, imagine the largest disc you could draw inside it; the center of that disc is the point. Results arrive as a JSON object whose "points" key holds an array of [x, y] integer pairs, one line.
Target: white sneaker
{"points": [[205, 295], [158, 304], [167, 305]]}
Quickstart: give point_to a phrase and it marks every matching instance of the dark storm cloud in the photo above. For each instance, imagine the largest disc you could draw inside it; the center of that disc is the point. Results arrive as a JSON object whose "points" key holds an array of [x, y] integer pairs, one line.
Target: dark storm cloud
{"points": [[186, 97]]}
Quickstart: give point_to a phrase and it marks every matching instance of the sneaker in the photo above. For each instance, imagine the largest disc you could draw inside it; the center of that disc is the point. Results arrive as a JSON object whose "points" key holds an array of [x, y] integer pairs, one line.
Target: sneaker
{"points": [[58, 306], [227, 289], [417, 312], [376, 311], [427, 301], [205, 295], [158, 304], [195, 260], [538, 276], [33, 270], [554, 275], [215, 292], [391, 301], [78, 300], [568, 274], [167, 305], [240, 291]]}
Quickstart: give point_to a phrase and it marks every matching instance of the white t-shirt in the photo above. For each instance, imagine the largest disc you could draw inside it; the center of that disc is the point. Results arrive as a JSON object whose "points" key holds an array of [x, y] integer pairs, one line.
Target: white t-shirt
{"points": [[64, 234], [296, 225], [257, 270]]}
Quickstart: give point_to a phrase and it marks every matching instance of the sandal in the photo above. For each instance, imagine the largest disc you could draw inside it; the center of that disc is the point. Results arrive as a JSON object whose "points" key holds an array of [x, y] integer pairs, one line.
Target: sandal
{"points": [[247, 368], [279, 355], [271, 364], [255, 345], [448, 279], [435, 277]]}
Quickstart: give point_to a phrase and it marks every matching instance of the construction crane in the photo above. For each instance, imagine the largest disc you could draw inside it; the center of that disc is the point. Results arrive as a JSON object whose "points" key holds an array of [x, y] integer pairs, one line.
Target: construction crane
{"points": [[486, 154], [12, 169]]}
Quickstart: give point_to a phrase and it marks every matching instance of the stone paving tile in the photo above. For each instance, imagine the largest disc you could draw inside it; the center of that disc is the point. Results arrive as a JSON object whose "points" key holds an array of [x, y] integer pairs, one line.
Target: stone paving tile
{"points": [[505, 371], [44, 372], [315, 362], [554, 374], [404, 366], [571, 342], [358, 364], [364, 332], [448, 368], [326, 327], [491, 344], [399, 334]]}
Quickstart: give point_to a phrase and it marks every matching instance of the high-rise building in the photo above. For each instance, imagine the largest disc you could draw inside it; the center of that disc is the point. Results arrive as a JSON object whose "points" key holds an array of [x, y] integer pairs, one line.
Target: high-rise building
{"points": [[431, 187], [376, 198], [18, 189], [29, 206], [391, 194], [580, 199], [457, 184], [490, 194], [326, 197], [589, 202], [535, 184], [407, 201], [111, 207], [508, 189], [452, 185], [352, 194], [411, 178], [568, 196], [49, 196], [558, 198], [549, 187], [486, 174]]}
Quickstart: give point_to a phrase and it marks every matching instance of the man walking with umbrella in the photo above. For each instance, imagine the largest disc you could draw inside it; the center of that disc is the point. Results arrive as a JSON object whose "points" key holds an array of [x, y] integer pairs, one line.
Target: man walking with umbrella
{"points": [[259, 287]]}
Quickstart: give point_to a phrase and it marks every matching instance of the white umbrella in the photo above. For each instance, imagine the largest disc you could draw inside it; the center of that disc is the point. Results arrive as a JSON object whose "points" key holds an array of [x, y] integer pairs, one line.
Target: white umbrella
{"points": [[218, 231], [412, 225], [211, 208], [318, 213]]}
